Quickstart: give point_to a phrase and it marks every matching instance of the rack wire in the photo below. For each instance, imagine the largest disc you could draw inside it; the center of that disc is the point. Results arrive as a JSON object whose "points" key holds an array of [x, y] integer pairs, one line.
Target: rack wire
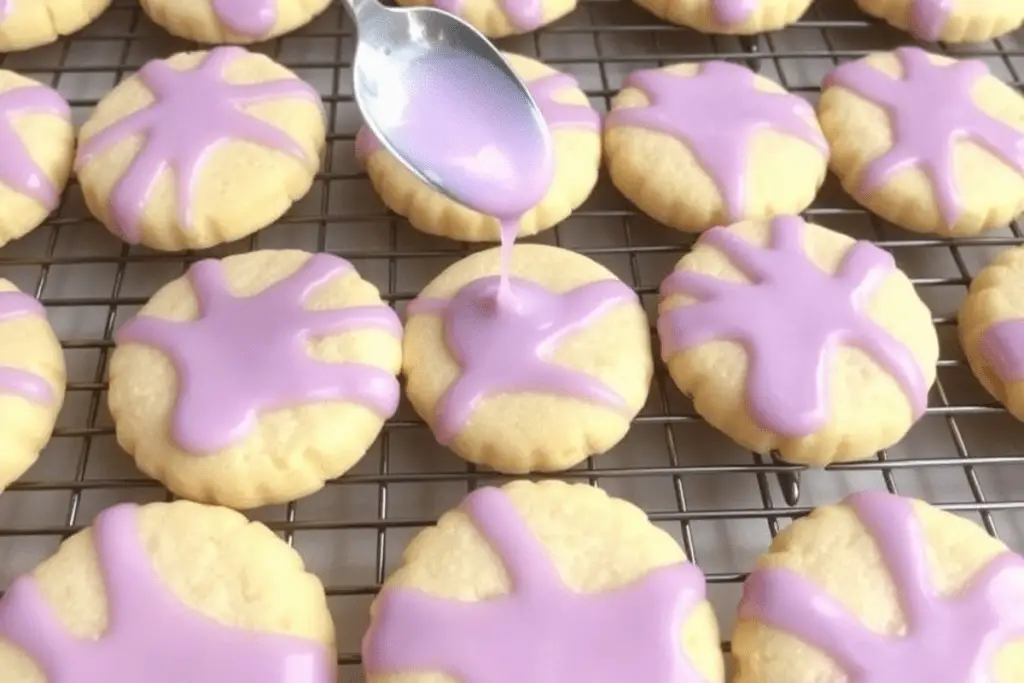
{"points": [[722, 503]]}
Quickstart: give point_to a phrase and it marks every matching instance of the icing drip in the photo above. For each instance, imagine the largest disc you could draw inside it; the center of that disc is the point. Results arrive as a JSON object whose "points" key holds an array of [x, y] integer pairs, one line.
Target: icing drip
{"points": [[931, 109], [716, 113], [524, 15], [1002, 347], [542, 632], [948, 638], [243, 357], [17, 169], [733, 12], [790, 319], [14, 381], [150, 636], [929, 17], [174, 140], [6, 6], [250, 18]]}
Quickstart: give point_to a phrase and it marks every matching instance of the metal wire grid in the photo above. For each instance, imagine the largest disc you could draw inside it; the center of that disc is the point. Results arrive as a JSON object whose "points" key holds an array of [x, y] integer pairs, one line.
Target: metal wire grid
{"points": [[723, 504]]}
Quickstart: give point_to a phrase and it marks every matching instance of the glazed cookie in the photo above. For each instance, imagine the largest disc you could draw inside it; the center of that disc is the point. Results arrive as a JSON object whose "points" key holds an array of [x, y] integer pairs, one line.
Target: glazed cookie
{"points": [[951, 21], [232, 21], [575, 131], [882, 588], [31, 381], [795, 338], [25, 24], [167, 593], [253, 380], [200, 149], [38, 143], [927, 142], [535, 379], [517, 569], [737, 17], [699, 145], [501, 18]]}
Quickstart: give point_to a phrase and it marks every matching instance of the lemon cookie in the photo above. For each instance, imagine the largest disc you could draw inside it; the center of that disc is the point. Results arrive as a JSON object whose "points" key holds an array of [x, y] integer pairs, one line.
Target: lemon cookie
{"points": [[576, 138], [200, 149], [501, 18], [882, 588], [232, 21], [166, 593], [927, 142], [255, 379], [951, 21], [736, 17], [795, 338], [533, 377], [486, 594], [698, 145], [25, 24], [31, 381], [38, 143]]}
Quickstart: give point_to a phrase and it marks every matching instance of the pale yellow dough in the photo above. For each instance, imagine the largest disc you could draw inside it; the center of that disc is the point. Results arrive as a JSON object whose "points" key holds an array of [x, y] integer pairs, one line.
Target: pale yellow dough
{"points": [[531, 432], [196, 19], [970, 21], [489, 17], [577, 155], [768, 15], [240, 187], [292, 451], [214, 561], [32, 23]]}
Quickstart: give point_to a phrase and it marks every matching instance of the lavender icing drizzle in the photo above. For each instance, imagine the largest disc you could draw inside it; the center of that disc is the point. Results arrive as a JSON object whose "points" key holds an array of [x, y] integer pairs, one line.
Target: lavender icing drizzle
{"points": [[250, 18], [17, 169], [15, 381]]}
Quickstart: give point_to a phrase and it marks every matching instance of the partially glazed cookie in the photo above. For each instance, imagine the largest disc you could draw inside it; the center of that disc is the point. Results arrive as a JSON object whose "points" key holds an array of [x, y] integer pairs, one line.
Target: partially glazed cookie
{"points": [[951, 21], [927, 142], [699, 145], [515, 570], [882, 588], [167, 593], [795, 338], [501, 18], [737, 17], [31, 381], [232, 21], [253, 380], [25, 24], [576, 137], [200, 149], [535, 378], [37, 145]]}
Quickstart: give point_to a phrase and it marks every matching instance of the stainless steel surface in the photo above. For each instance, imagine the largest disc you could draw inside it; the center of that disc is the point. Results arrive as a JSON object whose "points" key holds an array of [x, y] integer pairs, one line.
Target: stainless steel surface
{"points": [[722, 503]]}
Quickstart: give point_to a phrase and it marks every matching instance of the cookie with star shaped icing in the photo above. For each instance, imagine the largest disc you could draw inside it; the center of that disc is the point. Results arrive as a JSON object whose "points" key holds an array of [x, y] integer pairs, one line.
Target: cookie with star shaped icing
{"points": [[200, 149], [949, 21], [932, 144], [529, 564], [733, 17], [25, 24], [255, 379], [232, 21]]}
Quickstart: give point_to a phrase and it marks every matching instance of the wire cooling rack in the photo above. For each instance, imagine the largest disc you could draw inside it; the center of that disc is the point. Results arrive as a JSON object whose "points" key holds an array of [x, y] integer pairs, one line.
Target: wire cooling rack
{"points": [[722, 503]]}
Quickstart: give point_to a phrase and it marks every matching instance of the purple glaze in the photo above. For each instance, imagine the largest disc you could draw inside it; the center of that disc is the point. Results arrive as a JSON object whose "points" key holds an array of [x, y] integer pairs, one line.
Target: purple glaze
{"points": [[524, 15], [790, 320], [250, 18], [733, 12], [17, 169], [192, 112], [14, 381], [150, 636], [929, 17], [716, 113], [542, 631], [931, 109], [1002, 347], [5, 8], [948, 637], [243, 357]]}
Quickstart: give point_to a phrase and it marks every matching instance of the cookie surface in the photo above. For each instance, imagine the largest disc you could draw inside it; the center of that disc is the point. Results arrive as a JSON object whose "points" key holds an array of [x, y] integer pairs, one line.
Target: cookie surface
{"points": [[951, 21], [38, 143], [698, 145], [932, 144], [515, 569], [575, 133], [168, 592], [737, 17], [25, 24], [232, 21], [795, 338], [537, 385], [253, 380], [32, 379], [500, 18], [882, 588], [200, 149]]}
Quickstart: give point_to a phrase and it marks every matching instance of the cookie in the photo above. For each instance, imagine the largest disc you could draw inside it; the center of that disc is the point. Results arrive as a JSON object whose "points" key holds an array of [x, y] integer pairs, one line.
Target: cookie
{"points": [[575, 133], [38, 143], [486, 594], [25, 24], [536, 383], [254, 379], [929, 143], [735, 17], [699, 145], [951, 21], [168, 592], [200, 149], [31, 381], [882, 588], [501, 18], [795, 338], [232, 21]]}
